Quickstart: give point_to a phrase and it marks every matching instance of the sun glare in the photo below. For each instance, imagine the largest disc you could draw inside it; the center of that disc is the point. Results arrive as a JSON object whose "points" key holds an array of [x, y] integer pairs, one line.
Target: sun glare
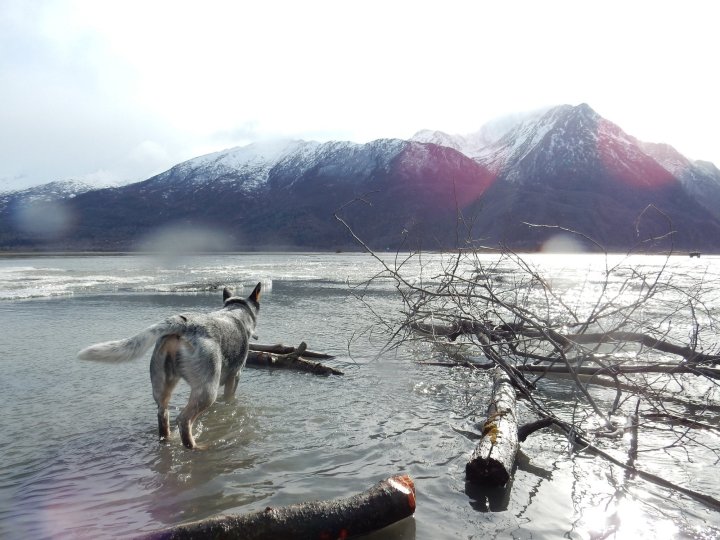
{"points": [[627, 519]]}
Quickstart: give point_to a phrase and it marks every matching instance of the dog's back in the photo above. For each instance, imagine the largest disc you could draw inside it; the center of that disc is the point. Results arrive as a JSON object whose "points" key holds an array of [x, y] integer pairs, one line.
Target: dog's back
{"points": [[228, 329]]}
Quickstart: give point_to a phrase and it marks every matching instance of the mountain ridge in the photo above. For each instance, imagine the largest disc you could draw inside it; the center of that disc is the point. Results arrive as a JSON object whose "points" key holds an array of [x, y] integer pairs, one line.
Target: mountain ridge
{"points": [[565, 166]]}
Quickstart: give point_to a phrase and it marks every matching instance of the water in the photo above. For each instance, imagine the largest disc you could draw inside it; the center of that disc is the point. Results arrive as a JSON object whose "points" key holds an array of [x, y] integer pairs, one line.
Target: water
{"points": [[80, 457]]}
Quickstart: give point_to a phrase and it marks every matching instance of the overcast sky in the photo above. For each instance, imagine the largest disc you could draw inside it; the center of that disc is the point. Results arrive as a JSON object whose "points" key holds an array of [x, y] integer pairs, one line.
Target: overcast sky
{"points": [[121, 90]]}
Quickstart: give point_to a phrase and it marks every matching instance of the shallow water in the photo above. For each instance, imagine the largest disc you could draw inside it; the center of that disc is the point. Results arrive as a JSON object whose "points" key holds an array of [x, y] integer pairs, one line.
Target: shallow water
{"points": [[81, 459]]}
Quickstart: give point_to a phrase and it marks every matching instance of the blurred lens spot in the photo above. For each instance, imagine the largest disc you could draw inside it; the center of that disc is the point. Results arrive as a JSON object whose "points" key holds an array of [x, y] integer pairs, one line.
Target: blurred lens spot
{"points": [[44, 219], [562, 243], [175, 241]]}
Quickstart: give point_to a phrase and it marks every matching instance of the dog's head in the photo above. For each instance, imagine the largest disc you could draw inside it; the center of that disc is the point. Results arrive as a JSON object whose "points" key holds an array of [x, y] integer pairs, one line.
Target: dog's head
{"points": [[252, 301]]}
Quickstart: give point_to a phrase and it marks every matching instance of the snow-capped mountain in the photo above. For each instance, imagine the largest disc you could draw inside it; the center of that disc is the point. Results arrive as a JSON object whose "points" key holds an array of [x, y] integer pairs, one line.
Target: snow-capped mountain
{"points": [[562, 167], [701, 179], [575, 144], [247, 168], [667, 156], [502, 144], [51, 191], [479, 143], [284, 196]]}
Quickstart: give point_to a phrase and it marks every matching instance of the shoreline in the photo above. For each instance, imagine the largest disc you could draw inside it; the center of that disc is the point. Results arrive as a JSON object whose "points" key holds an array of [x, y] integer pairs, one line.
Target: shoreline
{"points": [[41, 254], [28, 254]]}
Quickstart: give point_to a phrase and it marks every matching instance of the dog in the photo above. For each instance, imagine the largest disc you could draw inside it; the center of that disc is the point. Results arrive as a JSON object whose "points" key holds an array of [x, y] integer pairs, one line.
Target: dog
{"points": [[208, 350]]}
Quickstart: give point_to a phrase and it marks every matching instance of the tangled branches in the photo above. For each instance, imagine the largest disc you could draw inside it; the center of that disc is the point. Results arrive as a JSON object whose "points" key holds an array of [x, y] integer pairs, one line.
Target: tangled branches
{"points": [[632, 336]]}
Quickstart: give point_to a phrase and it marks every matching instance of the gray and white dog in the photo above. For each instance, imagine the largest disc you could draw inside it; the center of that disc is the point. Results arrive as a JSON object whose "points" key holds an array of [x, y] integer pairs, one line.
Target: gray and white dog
{"points": [[208, 350]]}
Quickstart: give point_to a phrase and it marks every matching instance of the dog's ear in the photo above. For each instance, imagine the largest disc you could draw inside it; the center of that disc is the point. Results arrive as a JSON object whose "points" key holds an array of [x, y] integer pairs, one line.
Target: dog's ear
{"points": [[226, 293], [255, 295]]}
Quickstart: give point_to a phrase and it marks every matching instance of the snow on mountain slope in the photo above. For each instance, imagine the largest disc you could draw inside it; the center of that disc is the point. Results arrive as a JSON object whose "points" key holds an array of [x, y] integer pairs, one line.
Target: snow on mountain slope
{"points": [[701, 179], [519, 141], [575, 134], [479, 143], [248, 166], [51, 191], [667, 156], [570, 142], [456, 142]]}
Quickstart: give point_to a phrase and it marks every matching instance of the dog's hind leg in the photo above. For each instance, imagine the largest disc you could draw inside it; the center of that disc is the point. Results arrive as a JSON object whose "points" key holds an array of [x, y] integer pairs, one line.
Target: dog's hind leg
{"points": [[200, 400], [164, 378], [231, 385], [199, 362]]}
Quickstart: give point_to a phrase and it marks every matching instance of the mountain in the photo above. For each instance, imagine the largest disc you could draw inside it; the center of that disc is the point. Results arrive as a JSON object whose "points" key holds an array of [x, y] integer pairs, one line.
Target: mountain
{"points": [[38, 215], [477, 144], [280, 195], [569, 167], [46, 192], [700, 179], [564, 167], [572, 168]]}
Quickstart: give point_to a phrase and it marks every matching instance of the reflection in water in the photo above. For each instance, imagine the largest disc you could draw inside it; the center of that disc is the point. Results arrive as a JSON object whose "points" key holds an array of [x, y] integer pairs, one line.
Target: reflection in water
{"points": [[201, 476], [620, 516], [402, 530], [609, 508], [489, 499]]}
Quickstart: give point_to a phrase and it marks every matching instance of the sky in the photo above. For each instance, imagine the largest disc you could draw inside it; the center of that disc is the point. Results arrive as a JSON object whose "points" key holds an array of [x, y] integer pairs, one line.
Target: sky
{"points": [[117, 91]]}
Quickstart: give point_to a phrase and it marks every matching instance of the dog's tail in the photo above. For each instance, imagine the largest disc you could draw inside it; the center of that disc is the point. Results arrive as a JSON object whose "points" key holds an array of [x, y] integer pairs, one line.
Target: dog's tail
{"points": [[123, 350]]}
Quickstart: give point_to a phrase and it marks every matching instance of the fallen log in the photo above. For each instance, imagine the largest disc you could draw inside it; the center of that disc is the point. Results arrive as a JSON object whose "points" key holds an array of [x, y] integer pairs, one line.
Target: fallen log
{"points": [[508, 333], [687, 353], [291, 360], [385, 503], [284, 349], [492, 462], [598, 380], [589, 371], [612, 370]]}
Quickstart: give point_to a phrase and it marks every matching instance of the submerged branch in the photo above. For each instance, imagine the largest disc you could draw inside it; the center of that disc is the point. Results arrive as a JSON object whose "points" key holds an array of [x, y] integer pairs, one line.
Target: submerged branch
{"points": [[582, 442]]}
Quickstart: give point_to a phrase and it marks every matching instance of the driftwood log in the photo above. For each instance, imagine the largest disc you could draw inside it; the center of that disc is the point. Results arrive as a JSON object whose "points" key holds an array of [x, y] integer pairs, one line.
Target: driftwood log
{"points": [[282, 357], [284, 349], [509, 332], [383, 504], [588, 371], [492, 462]]}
